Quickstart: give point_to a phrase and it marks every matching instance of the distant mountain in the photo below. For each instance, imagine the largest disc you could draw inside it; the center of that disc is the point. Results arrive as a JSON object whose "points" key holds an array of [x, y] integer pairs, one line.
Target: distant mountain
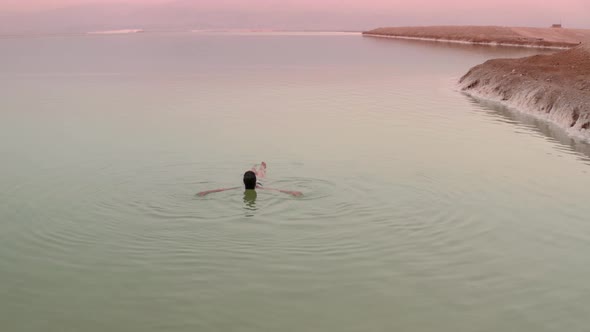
{"points": [[180, 15], [282, 15]]}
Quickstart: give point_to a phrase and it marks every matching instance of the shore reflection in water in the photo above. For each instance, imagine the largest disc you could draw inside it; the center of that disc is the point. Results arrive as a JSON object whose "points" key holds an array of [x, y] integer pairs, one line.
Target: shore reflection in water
{"points": [[551, 131]]}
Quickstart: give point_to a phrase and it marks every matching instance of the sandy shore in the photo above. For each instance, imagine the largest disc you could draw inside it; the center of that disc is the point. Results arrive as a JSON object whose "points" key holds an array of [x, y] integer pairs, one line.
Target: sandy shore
{"points": [[490, 35], [553, 87]]}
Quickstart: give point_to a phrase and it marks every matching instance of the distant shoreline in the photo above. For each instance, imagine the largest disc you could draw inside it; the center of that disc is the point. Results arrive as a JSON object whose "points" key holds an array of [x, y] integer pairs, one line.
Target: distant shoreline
{"points": [[466, 42], [115, 32], [551, 38], [260, 32]]}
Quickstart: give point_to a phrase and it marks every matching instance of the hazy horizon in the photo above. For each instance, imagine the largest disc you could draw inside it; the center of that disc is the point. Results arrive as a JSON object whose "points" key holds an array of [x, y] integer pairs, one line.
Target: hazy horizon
{"points": [[37, 16]]}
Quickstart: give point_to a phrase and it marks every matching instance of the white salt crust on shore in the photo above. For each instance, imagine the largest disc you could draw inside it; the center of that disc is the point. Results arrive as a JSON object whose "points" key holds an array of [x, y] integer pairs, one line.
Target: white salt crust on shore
{"points": [[554, 87]]}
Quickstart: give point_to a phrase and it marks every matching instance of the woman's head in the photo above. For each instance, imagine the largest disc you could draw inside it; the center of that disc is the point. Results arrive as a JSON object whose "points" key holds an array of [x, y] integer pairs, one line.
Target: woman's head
{"points": [[250, 180]]}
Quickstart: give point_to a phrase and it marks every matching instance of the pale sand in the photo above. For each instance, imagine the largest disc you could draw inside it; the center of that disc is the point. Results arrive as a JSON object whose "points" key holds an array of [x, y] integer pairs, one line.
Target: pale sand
{"points": [[553, 87], [493, 35]]}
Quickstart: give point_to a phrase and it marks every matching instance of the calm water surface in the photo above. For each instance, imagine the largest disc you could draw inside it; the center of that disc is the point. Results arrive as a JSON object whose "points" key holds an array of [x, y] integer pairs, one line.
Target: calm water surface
{"points": [[423, 210]]}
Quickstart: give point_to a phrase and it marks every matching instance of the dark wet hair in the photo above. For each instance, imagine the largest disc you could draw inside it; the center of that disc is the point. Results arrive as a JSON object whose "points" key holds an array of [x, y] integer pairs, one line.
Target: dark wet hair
{"points": [[250, 180]]}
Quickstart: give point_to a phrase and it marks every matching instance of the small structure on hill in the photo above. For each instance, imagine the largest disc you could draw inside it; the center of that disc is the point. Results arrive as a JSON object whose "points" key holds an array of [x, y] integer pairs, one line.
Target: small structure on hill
{"points": [[556, 26]]}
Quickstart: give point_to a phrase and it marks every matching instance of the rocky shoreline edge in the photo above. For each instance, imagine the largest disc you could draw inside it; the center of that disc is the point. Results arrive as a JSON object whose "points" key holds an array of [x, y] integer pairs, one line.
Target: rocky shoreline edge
{"points": [[553, 87]]}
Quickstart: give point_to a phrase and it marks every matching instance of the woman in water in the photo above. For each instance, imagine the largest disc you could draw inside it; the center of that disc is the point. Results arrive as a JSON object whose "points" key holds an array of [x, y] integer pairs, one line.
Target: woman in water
{"points": [[251, 182]]}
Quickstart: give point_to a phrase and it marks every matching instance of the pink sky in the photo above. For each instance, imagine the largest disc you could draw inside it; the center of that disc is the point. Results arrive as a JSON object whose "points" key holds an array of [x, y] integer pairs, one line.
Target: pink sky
{"points": [[560, 6], [289, 14]]}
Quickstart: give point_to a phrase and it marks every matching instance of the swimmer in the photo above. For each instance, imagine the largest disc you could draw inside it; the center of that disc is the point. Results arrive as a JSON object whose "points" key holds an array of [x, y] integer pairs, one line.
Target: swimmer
{"points": [[251, 182]]}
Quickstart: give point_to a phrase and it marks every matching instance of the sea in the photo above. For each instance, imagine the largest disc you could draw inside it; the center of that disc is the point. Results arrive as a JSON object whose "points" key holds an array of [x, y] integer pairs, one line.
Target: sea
{"points": [[423, 209]]}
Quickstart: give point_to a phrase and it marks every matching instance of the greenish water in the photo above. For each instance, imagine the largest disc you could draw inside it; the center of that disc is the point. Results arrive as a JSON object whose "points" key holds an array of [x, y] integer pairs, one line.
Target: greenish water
{"points": [[423, 210]]}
